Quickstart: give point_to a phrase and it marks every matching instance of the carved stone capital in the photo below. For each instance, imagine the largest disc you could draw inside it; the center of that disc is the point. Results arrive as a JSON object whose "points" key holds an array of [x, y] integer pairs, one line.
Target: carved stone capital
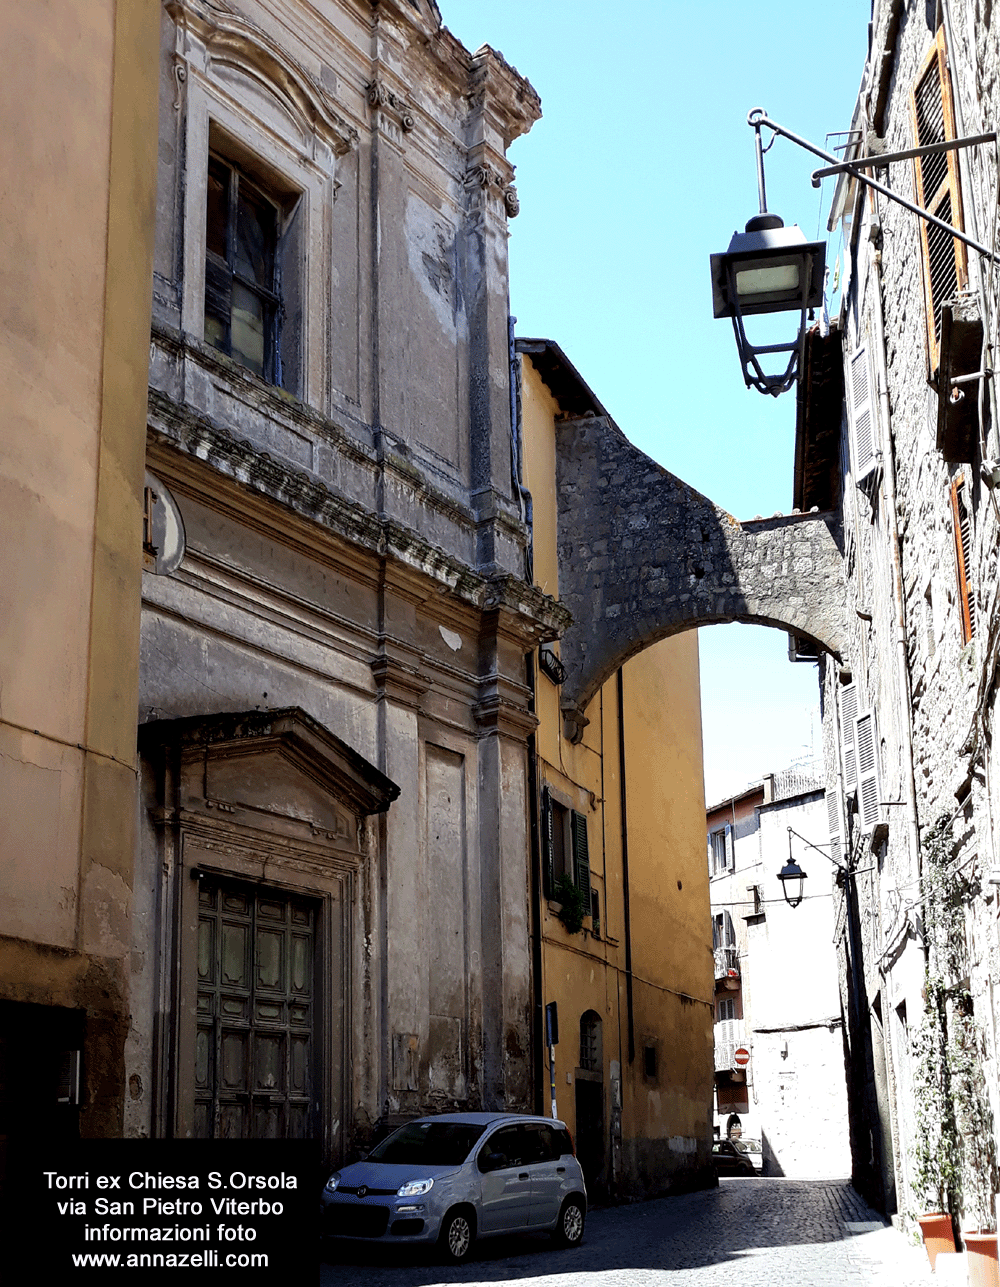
{"points": [[383, 101]]}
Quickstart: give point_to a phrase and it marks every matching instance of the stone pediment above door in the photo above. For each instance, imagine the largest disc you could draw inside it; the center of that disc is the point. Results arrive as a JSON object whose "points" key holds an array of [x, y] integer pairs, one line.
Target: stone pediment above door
{"points": [[278, 771]]}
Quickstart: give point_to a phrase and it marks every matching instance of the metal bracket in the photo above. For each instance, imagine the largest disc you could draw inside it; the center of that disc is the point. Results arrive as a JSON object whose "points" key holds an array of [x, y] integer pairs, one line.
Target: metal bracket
{"points": [[758, 119]]}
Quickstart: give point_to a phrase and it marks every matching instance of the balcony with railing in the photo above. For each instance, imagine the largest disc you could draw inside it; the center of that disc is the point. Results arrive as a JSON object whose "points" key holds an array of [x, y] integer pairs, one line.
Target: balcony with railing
{"points": [[727, 967]]}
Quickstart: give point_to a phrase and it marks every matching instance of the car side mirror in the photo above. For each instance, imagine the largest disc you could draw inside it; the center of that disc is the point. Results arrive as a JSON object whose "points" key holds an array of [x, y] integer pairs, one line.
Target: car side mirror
{"points": [[492, 1162]]}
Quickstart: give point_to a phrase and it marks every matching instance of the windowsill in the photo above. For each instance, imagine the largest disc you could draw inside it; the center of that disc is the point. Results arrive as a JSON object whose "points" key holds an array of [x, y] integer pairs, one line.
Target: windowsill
{"points": [[755, 918]]}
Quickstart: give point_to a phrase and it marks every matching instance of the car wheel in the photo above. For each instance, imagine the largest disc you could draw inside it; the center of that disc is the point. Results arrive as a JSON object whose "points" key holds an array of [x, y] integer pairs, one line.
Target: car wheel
{"points": [[569, 1229], [455, 1238]]}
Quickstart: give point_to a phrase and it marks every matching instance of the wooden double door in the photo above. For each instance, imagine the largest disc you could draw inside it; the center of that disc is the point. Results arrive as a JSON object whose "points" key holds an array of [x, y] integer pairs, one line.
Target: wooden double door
{"points": [[256, 1042]]}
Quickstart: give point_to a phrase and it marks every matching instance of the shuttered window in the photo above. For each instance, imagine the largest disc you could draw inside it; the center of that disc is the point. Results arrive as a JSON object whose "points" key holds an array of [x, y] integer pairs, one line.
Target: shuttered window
{"points": [[867, 752], [848, 716], [962, 520], [833, 817], [862, 419], [548, 844], [723, 933], [938, 190], [581, 856], [565, 850]]}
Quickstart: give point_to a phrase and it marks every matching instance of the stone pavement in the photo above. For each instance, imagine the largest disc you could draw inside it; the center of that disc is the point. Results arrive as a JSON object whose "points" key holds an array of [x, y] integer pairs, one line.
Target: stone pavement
{"points": [[746, 1233]]}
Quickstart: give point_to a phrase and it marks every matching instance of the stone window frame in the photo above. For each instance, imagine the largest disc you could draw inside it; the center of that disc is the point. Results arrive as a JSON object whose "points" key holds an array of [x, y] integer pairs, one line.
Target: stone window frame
{"points": [[245, 99]]}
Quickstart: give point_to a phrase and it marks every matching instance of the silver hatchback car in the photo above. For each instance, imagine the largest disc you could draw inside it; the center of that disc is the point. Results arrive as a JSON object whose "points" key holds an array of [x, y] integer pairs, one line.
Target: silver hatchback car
{"points": [[458, 1177]]}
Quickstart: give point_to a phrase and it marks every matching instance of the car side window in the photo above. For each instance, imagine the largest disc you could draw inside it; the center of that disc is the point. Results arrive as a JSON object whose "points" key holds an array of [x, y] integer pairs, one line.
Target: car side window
{"points": [[564, 1144], [545, 1147], [506, 1143]]}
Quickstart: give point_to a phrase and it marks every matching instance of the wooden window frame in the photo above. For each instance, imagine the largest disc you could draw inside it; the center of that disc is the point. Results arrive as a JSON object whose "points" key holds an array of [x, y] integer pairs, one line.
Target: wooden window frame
{"points": [[219, 267], [950, 187], [962, 531], [572, 845]]}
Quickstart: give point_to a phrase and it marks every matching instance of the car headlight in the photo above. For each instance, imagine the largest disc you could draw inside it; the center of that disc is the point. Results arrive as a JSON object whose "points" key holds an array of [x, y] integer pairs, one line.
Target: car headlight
{"points": [[414, 1188], [333, 1182]]}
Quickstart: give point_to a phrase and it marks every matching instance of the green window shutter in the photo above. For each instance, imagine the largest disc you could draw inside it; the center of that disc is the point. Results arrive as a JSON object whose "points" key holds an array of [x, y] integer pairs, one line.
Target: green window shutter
{"points": [[581, 856], [548, 846]]}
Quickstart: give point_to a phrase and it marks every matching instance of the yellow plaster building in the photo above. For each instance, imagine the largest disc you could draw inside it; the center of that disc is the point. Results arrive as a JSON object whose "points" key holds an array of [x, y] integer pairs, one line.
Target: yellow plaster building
{"points": [[621, 837], [76, 265]]}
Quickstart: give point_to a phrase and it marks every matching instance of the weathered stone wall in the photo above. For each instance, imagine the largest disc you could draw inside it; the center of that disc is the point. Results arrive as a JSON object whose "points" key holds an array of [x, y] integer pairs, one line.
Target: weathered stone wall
{"points": [[932, 694], [643, 556]]}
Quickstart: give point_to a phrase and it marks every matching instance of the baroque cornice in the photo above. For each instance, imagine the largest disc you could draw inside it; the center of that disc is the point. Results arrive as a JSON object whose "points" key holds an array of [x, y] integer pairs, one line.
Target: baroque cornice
{"points": [[496, 86], [528, 614], [231, 40]]}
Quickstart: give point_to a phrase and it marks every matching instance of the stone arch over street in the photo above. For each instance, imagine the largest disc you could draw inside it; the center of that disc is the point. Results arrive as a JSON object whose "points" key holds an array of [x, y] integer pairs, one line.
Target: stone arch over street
{"points": [[643, 556]]}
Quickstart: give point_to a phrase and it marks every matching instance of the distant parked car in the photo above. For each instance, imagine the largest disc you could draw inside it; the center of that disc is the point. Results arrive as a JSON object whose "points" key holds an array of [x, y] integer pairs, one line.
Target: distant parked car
{"points": [[458, 1177], [729, 1160], [751, 1148]]}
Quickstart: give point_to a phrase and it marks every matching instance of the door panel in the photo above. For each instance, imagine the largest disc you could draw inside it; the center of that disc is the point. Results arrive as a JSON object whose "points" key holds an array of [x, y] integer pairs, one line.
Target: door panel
{"points": [[548, 1176], [506, 1193], [255, 1045]]}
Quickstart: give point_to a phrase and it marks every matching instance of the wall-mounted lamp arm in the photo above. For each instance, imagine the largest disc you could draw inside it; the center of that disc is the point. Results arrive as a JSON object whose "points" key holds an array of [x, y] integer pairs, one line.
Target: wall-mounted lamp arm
{"points": [[878, 160], [829, 857], [758, 120]]}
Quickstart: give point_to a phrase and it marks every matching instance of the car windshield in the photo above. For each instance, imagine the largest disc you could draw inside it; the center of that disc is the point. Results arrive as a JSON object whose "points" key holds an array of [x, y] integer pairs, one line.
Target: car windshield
{"points": [[747, 1146], [427, 1144]]}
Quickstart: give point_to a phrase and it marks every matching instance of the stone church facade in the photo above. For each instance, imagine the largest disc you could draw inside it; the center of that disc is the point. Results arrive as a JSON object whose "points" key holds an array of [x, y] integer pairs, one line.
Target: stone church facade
{"points": [[332, 886]]}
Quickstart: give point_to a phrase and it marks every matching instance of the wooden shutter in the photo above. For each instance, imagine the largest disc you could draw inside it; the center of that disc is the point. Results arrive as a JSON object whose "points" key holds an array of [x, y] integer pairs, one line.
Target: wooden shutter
{"points": [[963, 552], [730, 933], [548, 844], [730, 854], [581, 856], [938, 191], [833, 817], [862, 419], [848, 716], [867, 771]]}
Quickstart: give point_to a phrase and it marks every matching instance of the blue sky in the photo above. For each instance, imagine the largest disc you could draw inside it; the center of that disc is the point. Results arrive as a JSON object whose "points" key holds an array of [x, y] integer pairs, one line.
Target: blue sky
{"points": [[640, 168]]}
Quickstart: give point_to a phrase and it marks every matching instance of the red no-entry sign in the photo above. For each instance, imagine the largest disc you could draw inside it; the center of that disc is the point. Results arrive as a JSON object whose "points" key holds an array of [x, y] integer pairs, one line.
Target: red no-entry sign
{"points": [[741, 1056]]}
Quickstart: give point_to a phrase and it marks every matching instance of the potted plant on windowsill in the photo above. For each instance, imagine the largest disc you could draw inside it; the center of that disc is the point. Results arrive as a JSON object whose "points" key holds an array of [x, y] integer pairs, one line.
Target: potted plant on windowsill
{"points": [[572, 907]]}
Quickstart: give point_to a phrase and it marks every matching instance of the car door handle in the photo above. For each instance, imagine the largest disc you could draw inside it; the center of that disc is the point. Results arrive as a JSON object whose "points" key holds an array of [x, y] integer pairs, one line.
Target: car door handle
{"points": [[561, 1170], [523, 1175]]}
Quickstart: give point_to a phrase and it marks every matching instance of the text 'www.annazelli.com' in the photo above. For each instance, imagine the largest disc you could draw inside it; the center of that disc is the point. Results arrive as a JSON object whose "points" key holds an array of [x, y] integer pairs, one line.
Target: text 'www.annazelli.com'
{"points": [[207, 1259]]}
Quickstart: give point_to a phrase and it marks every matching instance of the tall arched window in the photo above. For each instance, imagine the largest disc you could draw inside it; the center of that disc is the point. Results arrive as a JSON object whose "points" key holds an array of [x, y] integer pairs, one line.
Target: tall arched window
{"points": [[590, 1041]]}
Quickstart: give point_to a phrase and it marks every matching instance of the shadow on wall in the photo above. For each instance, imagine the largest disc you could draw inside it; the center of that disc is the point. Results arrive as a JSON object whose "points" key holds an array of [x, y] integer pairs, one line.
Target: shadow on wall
{"points": [[771, 1164]]}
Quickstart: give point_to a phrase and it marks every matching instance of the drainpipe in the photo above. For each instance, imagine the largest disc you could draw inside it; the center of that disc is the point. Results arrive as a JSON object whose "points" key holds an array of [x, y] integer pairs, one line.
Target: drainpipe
{"points": [[625, 883]]}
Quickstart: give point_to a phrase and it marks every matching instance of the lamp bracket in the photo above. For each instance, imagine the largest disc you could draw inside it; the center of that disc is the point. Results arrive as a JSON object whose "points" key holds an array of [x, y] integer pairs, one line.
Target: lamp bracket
{"points": [[758, 119]]}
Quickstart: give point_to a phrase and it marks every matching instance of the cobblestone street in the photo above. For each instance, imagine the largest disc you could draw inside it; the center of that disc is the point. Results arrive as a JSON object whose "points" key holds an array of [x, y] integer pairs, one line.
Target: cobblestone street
{"points": [[750, 1233]]}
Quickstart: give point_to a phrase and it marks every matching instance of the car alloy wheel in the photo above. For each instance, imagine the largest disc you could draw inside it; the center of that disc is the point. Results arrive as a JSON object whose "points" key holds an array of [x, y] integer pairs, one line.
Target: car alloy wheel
{"points": [[569, 1230], [456, 1236]]}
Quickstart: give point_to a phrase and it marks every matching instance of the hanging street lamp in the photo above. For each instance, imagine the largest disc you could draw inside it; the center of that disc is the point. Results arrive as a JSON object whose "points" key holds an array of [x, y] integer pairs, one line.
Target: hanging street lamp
{"points": [[791, 877], [772, 269], [768, 269]]}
